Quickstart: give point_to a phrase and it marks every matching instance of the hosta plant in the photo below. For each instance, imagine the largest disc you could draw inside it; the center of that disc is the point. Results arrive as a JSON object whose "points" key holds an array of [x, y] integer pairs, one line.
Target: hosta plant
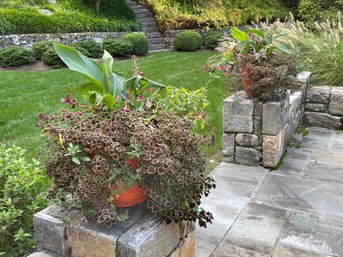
{"points": [[126, 136], [264, 64]]}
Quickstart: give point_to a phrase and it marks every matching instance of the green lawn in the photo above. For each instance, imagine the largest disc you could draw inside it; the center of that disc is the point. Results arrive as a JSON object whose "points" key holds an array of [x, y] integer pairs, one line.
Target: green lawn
{"points": [[26, 94]]}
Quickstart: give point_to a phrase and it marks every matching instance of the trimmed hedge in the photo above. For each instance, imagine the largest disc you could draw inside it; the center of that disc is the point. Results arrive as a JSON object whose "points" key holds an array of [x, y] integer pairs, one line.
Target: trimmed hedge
{"points": [[93, 48], [30, 20], [139, 41], [16, 55], [118, 47], [39, 48], [211, 39], [189, 41], [50, 57]]}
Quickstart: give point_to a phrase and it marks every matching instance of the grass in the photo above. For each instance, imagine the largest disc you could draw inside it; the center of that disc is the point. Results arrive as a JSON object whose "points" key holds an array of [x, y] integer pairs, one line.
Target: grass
{"points": [[24, 95]]}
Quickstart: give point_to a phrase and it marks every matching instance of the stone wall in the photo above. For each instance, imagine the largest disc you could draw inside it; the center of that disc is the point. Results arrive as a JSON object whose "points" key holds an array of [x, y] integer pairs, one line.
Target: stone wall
{"points": [[26, 40], [324, 107], [257, 133], [142, 235]]}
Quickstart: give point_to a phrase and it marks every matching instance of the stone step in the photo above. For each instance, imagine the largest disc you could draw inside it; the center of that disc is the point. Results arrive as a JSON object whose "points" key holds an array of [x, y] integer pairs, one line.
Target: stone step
{"points": [[139, 8], [153, 34], [149, 30], [141, 11], [146, 20], [144, 15], [155, 47], [149, 24], [156, 40]]}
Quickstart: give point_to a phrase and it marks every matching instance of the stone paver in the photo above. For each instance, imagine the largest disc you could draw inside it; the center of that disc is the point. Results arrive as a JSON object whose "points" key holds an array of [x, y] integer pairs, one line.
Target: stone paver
{"points": [[296, 211]]}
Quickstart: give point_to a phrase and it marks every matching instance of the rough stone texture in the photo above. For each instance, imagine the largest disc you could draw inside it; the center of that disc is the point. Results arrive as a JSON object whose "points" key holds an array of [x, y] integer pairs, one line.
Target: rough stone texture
{"points": [[187, 248], [272, 119], [238, 114], [243, 139], [295, 103], [40, 254], [318, 139], [257, 228], [258, 108], [322, 120], [50, 232], [248, 156], [322, 235], [26, 40], [336, 101], [330, 172], [304, 77], [258, 126], [228, 147], [226, 250], [294, 162], [273, 148], [318, 94], [316, 107]]}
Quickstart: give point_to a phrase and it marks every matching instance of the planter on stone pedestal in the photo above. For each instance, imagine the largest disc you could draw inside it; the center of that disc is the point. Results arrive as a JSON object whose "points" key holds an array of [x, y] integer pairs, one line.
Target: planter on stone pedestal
{"points": [[257, 133], [120, 150]]}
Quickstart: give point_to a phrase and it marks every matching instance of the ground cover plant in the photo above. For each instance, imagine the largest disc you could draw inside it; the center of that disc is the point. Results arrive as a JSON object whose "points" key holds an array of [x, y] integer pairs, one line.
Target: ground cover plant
{"points": [[24, 16], [27, 93]]}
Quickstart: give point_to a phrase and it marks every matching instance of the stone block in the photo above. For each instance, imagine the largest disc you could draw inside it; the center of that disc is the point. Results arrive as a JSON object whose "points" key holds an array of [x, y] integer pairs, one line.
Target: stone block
{"points": [[228, 147], [257, 125], [295, 101], [238, 114], [249, 140], [322, 120], [273, 148], [150, 237], [186, 248], [40, 254], [248, 156], [272, 118], [318, 94], [336, 101], [50, 232], [258, 108], [304, 77], [316, 107]]}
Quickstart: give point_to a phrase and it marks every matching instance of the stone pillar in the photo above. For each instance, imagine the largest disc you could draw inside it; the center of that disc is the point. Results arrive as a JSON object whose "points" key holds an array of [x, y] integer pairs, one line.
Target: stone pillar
{"points": [[257, 133], [142, 235]]}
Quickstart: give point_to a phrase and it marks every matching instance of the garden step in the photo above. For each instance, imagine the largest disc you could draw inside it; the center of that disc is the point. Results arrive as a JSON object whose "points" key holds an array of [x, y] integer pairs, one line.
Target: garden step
{"points": [[155, 47], [146, 20], [149, 25], [157, 40], [144, 15], [153, 34], [139, 8], [153, 29]]}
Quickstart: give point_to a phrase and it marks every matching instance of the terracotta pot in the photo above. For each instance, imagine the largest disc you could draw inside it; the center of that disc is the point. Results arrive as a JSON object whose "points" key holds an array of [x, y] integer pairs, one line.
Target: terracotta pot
{"points": [[133, 196], [246, 79]]}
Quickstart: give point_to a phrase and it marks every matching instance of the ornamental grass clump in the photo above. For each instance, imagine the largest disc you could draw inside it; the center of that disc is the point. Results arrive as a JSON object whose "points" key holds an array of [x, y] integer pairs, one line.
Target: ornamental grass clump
{"points": [[128, 135], [264, 64]]}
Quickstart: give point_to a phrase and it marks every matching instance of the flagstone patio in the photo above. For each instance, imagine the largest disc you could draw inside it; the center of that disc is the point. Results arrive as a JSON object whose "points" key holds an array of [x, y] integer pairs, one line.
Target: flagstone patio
{"points": [[294, 211]]}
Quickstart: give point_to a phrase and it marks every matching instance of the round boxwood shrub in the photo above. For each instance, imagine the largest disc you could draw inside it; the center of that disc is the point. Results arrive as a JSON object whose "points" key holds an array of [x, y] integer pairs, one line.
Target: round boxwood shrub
{"points": [[39, 48], [139, 41], [16, 55], [94, 48], [188, 41], [50, 57], [118, 47], [211, 39], [82, 51]]}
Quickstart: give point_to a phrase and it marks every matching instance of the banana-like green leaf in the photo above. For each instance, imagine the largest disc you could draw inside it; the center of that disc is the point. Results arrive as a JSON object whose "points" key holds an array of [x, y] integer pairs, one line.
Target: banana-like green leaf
{"points": [[85, 87], [239, 34], [109, 101], [117, 83], [256, 32], [80, 63]]}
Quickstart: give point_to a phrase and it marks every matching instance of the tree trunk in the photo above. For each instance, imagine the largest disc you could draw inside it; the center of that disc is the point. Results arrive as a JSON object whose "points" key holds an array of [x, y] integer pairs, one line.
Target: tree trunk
{"points": [[97, 5]]}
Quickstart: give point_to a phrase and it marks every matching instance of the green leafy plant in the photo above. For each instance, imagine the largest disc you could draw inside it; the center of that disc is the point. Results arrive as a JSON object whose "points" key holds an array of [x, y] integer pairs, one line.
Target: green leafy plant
{"points": [[39, 48], [22, 193], [93, 48], [319, 10], [74, 152], [212, 38], [133, 141], [188, 41], [50, 57], [139, 41], [16, 55], [118, 47], [258, 57]]}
